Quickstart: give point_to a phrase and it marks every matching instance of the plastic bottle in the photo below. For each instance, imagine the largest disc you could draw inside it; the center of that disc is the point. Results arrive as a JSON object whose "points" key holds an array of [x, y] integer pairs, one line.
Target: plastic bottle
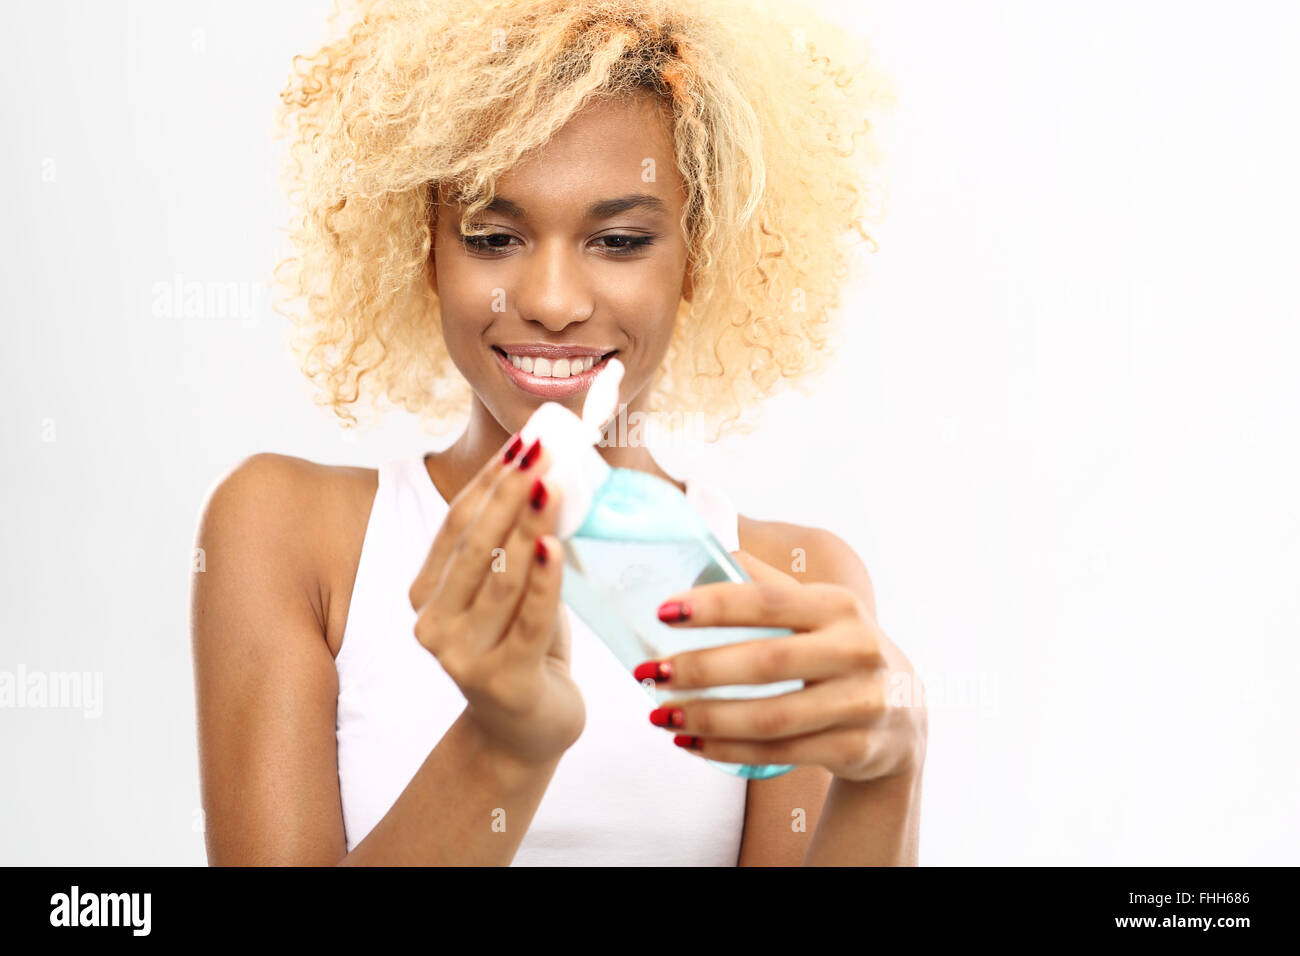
{"points": [[630, 541]]}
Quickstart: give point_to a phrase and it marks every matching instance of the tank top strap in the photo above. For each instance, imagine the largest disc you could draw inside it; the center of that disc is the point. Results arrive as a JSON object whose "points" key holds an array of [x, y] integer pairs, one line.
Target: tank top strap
{"points": [[404, 519], [411, 474]]}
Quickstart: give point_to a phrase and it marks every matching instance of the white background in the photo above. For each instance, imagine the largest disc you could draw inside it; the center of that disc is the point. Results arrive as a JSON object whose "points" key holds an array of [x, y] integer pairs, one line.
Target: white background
{"points": [[1062, 438]]}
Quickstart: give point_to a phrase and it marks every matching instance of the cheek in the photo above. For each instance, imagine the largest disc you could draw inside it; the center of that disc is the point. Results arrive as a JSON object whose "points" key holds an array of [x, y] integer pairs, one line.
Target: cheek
{"points": [[646, 301], [465, 296]]}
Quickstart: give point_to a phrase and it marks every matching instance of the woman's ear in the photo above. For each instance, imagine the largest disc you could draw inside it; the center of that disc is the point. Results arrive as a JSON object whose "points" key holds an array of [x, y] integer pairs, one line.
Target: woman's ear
{"points": [[688, 286]]}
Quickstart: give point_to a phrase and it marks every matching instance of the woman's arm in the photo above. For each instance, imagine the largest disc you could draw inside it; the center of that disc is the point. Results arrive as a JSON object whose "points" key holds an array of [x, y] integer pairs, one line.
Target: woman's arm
{"points": [[781, 814], [839, 822], [266, 693], [869, 823], [873, 822]]}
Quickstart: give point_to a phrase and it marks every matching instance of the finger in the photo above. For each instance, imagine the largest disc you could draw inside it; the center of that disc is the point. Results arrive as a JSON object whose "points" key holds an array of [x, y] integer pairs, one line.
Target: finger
{"points": [[472, 558], [534, 627], [460, 512], [499, 595], [816, 655], [759, 571], [770, 603], [841, 747], [850, 700]]}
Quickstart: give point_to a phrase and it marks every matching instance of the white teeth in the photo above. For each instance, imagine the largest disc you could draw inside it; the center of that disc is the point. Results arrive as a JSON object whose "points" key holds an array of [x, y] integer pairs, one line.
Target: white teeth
{"points": [[560, 368]]}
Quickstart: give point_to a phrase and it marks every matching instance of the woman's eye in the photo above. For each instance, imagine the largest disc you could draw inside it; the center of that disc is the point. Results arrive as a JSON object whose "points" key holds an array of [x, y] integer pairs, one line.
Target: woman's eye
{"points": [[630, 244], [484, 243], [623, 245]]}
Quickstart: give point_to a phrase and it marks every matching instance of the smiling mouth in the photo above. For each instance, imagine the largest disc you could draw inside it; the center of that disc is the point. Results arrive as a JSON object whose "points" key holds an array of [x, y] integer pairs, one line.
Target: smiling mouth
{"points": [[549, 386], [596, 364]]}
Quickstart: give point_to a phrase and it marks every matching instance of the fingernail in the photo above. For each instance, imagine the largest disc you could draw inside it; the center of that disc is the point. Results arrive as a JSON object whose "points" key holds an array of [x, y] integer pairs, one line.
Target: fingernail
{"points": [[667, 717], [673, 611], [540, 552], [687, 741], [532, 454], [659, 671], [513, 450], [538, 498]]}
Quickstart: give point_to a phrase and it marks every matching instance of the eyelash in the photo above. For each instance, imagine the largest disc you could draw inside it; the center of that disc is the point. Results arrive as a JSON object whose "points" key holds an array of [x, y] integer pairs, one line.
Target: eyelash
{"points": [[632, 243]]}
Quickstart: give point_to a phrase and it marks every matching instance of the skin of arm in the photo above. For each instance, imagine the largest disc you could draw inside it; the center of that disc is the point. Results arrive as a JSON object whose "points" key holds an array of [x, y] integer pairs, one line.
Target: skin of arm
{"points": [[266, 693], [808, 816]]}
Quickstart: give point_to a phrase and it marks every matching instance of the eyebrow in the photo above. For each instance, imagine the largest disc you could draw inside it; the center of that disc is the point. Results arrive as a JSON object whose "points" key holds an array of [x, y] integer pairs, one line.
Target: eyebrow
{"points": [[597, 210]]}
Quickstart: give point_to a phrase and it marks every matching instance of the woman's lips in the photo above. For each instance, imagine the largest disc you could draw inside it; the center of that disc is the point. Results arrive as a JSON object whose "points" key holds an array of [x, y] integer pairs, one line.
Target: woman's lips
{"points": [[546, 386]]}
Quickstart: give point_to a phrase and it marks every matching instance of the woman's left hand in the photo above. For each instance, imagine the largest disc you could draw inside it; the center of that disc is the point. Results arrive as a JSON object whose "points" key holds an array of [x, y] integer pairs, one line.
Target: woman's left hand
{"points": [[861, 713]]}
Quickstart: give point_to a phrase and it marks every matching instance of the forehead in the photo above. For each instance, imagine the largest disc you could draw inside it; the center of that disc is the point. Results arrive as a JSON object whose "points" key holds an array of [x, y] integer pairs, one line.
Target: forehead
{"points": [[611, 148]]}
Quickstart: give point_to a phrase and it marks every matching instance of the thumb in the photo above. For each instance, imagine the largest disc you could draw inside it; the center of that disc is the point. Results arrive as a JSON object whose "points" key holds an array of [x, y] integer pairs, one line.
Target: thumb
{"points": [[760, 571], [562, 641]]}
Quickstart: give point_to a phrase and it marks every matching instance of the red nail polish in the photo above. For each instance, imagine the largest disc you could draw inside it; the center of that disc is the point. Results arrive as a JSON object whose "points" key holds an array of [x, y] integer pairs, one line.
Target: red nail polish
{"points": [[671, 612], [538, 498], [513, 450], [532, 454], [685, 740], [667, 717], [540, 552], [659, 671]]}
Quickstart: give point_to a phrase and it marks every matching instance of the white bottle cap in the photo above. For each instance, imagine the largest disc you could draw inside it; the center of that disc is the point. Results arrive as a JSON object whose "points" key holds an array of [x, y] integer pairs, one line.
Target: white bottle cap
{"points": [[577, 469]]}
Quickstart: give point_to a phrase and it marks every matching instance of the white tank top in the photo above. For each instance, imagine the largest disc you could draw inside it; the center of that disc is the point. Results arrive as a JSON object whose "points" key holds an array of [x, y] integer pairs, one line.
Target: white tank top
{"points": [[622, 795]]}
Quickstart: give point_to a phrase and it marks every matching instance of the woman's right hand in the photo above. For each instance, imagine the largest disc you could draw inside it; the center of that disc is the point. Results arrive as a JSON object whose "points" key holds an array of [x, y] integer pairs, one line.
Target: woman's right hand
{"points": [[491, 613]]}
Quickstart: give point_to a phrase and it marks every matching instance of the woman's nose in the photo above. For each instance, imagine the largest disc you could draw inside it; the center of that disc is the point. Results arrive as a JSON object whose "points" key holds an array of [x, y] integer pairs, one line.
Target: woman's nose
{"points": [[553, 287]]}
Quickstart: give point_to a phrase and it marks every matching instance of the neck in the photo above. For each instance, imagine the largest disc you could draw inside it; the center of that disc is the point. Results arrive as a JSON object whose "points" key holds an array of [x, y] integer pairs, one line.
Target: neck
{"points": [[454, 467]]}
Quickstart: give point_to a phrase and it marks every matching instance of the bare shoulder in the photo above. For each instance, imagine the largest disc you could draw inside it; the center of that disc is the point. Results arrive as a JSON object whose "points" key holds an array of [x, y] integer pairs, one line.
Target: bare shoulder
{"points": [[270, 491], [305, 519], [274, 535], [808, 554]]}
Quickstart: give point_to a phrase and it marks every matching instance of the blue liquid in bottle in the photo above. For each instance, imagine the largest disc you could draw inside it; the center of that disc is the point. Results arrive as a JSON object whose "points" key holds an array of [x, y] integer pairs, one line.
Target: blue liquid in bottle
{"points": [[639, 543]]}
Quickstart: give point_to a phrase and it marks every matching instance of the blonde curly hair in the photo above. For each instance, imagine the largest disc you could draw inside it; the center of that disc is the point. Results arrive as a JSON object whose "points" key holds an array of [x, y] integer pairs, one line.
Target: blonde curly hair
{"points": [[771, 115]]}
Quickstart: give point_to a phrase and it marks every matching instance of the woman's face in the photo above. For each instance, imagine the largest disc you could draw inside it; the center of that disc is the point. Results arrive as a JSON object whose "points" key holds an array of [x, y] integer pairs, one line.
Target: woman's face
{"points": [[559, 270]]}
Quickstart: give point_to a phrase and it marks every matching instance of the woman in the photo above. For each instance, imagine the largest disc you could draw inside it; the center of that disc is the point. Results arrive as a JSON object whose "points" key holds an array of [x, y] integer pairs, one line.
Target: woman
{"points": [[496, 198]]}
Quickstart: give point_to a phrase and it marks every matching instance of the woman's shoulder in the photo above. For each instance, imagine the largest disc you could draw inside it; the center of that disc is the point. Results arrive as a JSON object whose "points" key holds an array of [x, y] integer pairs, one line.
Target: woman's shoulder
{"points": [[306, 517], [272, 487], [808, 554]]}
